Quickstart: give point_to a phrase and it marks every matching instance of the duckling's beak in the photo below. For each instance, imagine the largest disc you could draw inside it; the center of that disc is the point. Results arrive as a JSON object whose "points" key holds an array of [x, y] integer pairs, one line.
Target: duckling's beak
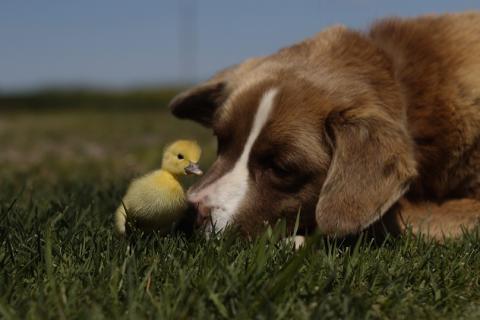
{"points": [[193, 168]]}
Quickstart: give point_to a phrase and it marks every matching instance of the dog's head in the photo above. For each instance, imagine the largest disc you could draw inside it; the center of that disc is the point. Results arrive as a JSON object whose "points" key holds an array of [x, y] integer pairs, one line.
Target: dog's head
{"points": [[309, 131]]}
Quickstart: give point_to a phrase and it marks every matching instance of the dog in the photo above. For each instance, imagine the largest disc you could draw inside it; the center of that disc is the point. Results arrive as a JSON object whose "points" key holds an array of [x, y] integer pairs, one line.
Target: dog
{"points": [[348, 131]]}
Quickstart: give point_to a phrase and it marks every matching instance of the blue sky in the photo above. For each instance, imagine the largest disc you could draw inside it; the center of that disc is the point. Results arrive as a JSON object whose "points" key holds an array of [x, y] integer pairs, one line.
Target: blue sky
{"points": [[116, 43]]}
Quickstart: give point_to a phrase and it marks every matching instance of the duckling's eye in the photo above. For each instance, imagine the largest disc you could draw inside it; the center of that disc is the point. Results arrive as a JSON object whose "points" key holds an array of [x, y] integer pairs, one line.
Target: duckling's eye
{"points": [[180, 156]]}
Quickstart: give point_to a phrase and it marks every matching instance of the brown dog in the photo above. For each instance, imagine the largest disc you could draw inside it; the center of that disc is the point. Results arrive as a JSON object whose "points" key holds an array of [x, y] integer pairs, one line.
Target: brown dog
{"points": [[348, 129]]}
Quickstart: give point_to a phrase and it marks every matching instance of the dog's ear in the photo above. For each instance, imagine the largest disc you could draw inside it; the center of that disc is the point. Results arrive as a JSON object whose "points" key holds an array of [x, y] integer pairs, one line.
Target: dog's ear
{"points": [[371, 168], [200, 102]]}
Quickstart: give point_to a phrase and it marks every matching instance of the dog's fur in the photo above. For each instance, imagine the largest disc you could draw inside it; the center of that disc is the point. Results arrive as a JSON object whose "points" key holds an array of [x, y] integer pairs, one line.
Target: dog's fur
{"points": [[348, 129]]}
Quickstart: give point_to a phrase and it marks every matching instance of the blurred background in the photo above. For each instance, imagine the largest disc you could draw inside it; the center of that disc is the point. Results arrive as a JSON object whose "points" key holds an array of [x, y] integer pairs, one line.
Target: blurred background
{"points": [[84, 84]]}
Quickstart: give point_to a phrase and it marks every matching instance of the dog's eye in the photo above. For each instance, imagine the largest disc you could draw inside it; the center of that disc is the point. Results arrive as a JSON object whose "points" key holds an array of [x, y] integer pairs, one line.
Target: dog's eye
{"points": [[278, 169], [180, 156]]}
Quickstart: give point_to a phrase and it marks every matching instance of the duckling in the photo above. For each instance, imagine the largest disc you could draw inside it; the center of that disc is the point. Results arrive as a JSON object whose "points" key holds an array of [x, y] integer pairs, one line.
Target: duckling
{"points": [[157, 200]]}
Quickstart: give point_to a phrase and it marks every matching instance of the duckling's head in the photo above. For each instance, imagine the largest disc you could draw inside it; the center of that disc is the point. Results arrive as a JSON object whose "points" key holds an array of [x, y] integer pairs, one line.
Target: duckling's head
{"points": [[181, 158]]}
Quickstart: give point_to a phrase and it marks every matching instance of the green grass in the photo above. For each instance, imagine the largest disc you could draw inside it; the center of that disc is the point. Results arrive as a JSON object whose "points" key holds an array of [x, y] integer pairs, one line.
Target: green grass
{"points": [[62, 173], [83, 99]]}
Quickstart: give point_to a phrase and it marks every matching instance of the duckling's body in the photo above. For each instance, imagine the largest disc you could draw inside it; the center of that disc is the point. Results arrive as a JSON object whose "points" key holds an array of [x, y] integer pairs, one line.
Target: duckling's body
{"points": [[154, 202], [157, 200]]}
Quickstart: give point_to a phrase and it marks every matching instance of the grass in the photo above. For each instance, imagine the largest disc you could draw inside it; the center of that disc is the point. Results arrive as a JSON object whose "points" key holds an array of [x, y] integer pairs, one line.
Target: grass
{"points": [[63, 172], [86, 99]]}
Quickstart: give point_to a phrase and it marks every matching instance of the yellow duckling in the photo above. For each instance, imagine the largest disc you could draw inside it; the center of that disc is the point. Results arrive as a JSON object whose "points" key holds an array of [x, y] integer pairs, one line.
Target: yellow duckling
{"points": [[157, 200]]}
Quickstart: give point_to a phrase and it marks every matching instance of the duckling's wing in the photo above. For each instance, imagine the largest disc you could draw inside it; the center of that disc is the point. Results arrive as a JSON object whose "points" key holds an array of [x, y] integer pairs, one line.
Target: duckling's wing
{"points": [[157, 200]]}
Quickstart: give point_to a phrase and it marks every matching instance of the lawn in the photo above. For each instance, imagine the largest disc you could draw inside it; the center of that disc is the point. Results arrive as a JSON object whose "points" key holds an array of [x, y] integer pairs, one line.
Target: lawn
{"points": [[62, 174]]}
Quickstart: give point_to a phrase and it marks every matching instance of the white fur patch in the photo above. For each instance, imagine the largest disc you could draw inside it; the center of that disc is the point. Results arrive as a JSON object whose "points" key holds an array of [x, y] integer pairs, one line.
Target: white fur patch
{"points": [[225, 195]]}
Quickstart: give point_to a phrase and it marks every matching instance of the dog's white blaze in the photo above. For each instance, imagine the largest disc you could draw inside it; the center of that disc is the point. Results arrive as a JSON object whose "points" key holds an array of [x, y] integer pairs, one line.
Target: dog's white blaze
{"points": [[226, 194]]}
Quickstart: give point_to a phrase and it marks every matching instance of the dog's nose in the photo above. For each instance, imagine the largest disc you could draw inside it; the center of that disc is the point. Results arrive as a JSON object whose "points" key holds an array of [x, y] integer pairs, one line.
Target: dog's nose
{"points": [[203, 213], [203, 210]]}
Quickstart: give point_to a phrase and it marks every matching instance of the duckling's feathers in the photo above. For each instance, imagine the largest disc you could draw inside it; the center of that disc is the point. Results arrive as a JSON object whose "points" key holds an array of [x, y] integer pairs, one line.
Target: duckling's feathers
{"points": [[157, 198], [188, 148]]}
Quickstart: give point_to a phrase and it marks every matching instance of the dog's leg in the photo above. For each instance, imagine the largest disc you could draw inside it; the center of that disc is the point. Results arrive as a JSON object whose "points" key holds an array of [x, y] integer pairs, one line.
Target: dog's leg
{"points": [[446, 220]]}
